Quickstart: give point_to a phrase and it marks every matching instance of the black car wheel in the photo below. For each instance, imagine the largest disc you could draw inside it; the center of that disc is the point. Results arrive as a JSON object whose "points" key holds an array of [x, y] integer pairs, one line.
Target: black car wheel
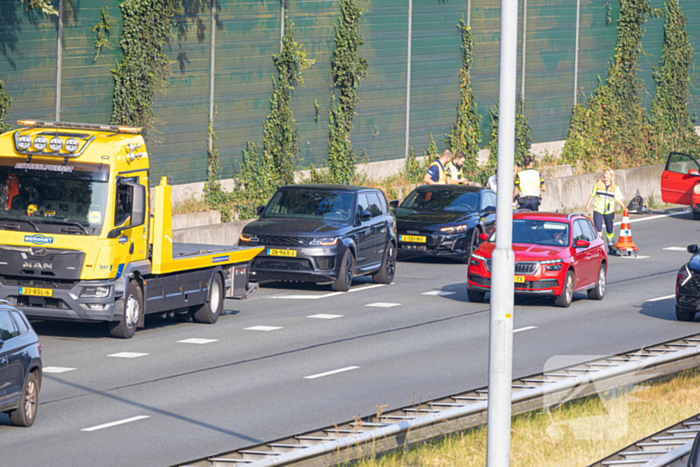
{"points": [[386, 273], [475, 296], [347, 270], [28, 403], [567, 293], [683, 314], [209, 312], [696, 215], [133, 307], [473, 243]]}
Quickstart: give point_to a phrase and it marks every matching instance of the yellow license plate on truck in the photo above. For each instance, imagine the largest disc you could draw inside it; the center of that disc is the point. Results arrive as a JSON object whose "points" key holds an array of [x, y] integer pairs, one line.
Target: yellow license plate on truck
{"points": [[519, 279], [287, 253], [412, 238], [36, 292]]}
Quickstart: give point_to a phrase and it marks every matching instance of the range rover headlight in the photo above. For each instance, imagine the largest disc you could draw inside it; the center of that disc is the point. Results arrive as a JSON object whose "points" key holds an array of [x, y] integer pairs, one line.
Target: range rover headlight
{"points": [[249, 238], [329, 241]]}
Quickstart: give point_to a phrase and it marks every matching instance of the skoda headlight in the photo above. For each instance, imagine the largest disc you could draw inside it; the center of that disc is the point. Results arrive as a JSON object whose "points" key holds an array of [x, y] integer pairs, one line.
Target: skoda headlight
{"points": [[327, 241], [684, 275], [552, 265], [455, 229], [39, 143], [95, 292]]}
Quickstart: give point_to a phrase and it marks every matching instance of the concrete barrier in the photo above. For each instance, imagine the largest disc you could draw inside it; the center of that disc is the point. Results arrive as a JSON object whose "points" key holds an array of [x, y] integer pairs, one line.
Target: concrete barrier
{"points": [[571, 193], [218, 234], [196, 219]]}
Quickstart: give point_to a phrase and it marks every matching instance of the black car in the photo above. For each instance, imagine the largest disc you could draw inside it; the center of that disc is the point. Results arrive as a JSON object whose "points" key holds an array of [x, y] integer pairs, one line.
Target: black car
{"points": [[20, 366], [323, 234], [688, 287], [444, 220]]}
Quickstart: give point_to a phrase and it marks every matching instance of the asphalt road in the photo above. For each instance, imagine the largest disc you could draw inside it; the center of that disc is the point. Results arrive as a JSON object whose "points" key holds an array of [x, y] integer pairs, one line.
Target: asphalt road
{"points": [[272, 367]]}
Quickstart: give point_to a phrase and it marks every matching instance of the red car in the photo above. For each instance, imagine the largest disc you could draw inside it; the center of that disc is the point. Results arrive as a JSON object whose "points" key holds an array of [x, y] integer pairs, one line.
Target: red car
{"points": [[555, 254], [679, 182]]}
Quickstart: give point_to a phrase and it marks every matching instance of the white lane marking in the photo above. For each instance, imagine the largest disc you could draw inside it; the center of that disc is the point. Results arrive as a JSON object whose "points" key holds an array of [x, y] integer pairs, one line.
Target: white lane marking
{"points": [[655, 217], [676, 248], [661, 298], [127, 355], [439, 293], [263, 328], [317, 297], [118, 422], [56, 369], [197, 340], [634, 257], [383, 305], [327, 373], [526, 328], [322, 316]]}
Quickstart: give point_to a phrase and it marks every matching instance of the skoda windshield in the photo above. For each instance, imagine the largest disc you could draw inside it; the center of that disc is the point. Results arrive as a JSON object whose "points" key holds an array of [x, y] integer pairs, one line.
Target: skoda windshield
{"points": [[323, 205], [538, 232], [442, 200], [53, 197]]}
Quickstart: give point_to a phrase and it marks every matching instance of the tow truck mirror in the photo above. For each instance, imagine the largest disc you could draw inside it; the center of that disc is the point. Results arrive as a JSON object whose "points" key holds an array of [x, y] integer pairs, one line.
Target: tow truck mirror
{"points": [[394, 203], [259, 210], [692, 249], [137, 194], [582, 243]]}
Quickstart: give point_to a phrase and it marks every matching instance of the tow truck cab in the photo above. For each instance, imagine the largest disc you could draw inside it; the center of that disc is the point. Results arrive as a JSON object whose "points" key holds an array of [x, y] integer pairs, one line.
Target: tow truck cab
{"points": [[679, 182], [81, 242]]}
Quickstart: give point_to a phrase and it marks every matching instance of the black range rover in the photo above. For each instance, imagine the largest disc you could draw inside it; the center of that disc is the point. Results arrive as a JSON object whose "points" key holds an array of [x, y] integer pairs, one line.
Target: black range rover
{"points": [[323, 234]]}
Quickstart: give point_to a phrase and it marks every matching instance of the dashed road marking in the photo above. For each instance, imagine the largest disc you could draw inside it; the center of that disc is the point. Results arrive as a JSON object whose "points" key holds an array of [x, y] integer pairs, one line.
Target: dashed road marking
{"points": [[439, 293], [526, 328], [634, 257], [317, 297], [661, 298], [196, 340], [56, 369], [676, 248], [333, 372], [383, 305], [322, 316], [263, 328], [127, 355], [118, 422], [655, 217]]}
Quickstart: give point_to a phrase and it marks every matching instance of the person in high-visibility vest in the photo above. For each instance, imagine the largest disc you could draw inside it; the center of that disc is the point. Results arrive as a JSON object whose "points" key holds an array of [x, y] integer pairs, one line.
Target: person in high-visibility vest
{"points": [[454, 170], [529, 183], [436, 174], [604, 195]]}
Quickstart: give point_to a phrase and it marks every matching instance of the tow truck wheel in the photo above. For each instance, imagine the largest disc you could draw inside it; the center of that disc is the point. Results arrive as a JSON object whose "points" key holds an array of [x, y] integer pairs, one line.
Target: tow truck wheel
{"points": [[598, 292], [209, 312], [133, 307], [683, 314], [567, 292]]}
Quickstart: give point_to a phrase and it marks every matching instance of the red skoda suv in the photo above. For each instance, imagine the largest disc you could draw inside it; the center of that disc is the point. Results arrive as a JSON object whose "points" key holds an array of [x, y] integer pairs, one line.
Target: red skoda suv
{"points": [[555, 254]]}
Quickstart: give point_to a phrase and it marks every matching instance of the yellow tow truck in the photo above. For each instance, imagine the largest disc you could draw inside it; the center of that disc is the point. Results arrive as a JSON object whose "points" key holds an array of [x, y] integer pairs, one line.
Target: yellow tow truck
{"points": [[79, 240]]}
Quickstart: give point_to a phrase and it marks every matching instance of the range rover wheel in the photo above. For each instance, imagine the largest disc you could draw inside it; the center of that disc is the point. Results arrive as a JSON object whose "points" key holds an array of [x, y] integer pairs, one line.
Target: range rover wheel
{"points": [[133, 307], [567, 292], [209, 312], [386, 273], [683, 314], [347, 270]]}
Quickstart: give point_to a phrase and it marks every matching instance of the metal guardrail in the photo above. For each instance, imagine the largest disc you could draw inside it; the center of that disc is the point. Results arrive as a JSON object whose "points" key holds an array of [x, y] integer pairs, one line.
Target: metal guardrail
{"points": [[394, 429], [667, 447]]}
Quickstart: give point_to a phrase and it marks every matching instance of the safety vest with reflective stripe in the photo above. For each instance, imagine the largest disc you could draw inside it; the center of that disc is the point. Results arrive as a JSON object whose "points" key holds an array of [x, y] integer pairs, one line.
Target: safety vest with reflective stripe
{"points": [[604, 197], [453, 172], [529, 182], [442, 176]]}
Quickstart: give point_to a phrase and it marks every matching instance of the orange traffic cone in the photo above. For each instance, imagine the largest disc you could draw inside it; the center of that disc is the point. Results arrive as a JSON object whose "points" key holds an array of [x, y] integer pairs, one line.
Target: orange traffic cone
{"points": [[625, 242]]}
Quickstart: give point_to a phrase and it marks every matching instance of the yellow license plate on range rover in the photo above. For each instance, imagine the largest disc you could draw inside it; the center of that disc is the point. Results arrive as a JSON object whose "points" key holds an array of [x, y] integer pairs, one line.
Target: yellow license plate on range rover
{"points": [[412, 238], [519, 279], [36, 292], [287, 253]]}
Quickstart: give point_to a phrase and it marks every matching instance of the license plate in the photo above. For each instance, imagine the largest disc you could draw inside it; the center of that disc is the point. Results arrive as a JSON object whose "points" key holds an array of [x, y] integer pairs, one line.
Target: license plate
{"points": [[36, 292], [519, 279], [288, 253], [412, 238]]}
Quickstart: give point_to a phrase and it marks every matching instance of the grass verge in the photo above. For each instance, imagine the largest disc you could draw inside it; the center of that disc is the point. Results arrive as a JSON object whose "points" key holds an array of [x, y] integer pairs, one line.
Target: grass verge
{"points": [[575, 434]]}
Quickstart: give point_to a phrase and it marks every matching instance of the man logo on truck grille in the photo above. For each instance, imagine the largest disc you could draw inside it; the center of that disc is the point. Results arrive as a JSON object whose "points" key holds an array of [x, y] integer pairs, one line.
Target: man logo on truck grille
{"points": [[38, 239], [37, 265]]}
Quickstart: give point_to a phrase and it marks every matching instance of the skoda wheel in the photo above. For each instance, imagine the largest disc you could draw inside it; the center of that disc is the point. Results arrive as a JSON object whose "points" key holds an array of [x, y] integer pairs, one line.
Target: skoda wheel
{"points": [[386, 273], [475, 296], [347, 270], [598, 292], [133, 307], [25, 414], [209, 312], [567, 292]]}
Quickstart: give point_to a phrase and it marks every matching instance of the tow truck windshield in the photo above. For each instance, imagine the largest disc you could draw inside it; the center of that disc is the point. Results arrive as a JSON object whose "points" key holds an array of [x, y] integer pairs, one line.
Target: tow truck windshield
{"points": [[53, 197]]}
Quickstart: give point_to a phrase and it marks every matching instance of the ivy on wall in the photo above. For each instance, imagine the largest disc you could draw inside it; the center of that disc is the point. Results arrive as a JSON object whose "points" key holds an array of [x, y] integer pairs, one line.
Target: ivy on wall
{"points": [[5, 102], [145, 66], [466, 136], [523, 141], [42, 5], [103, 28], [347, 68], [610, 128], [669, 115]]}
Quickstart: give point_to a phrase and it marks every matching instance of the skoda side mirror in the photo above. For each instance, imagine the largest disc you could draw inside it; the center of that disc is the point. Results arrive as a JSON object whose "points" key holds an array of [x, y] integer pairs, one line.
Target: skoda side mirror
{"points": [[692, 249], [484, 237], [259, 210], [394, 203], [582, 243], [365, 216]]}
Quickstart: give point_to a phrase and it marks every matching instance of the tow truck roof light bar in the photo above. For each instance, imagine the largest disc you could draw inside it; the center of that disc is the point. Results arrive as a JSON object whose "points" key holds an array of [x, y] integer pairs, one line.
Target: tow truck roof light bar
{"points": [[81, 126]]}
